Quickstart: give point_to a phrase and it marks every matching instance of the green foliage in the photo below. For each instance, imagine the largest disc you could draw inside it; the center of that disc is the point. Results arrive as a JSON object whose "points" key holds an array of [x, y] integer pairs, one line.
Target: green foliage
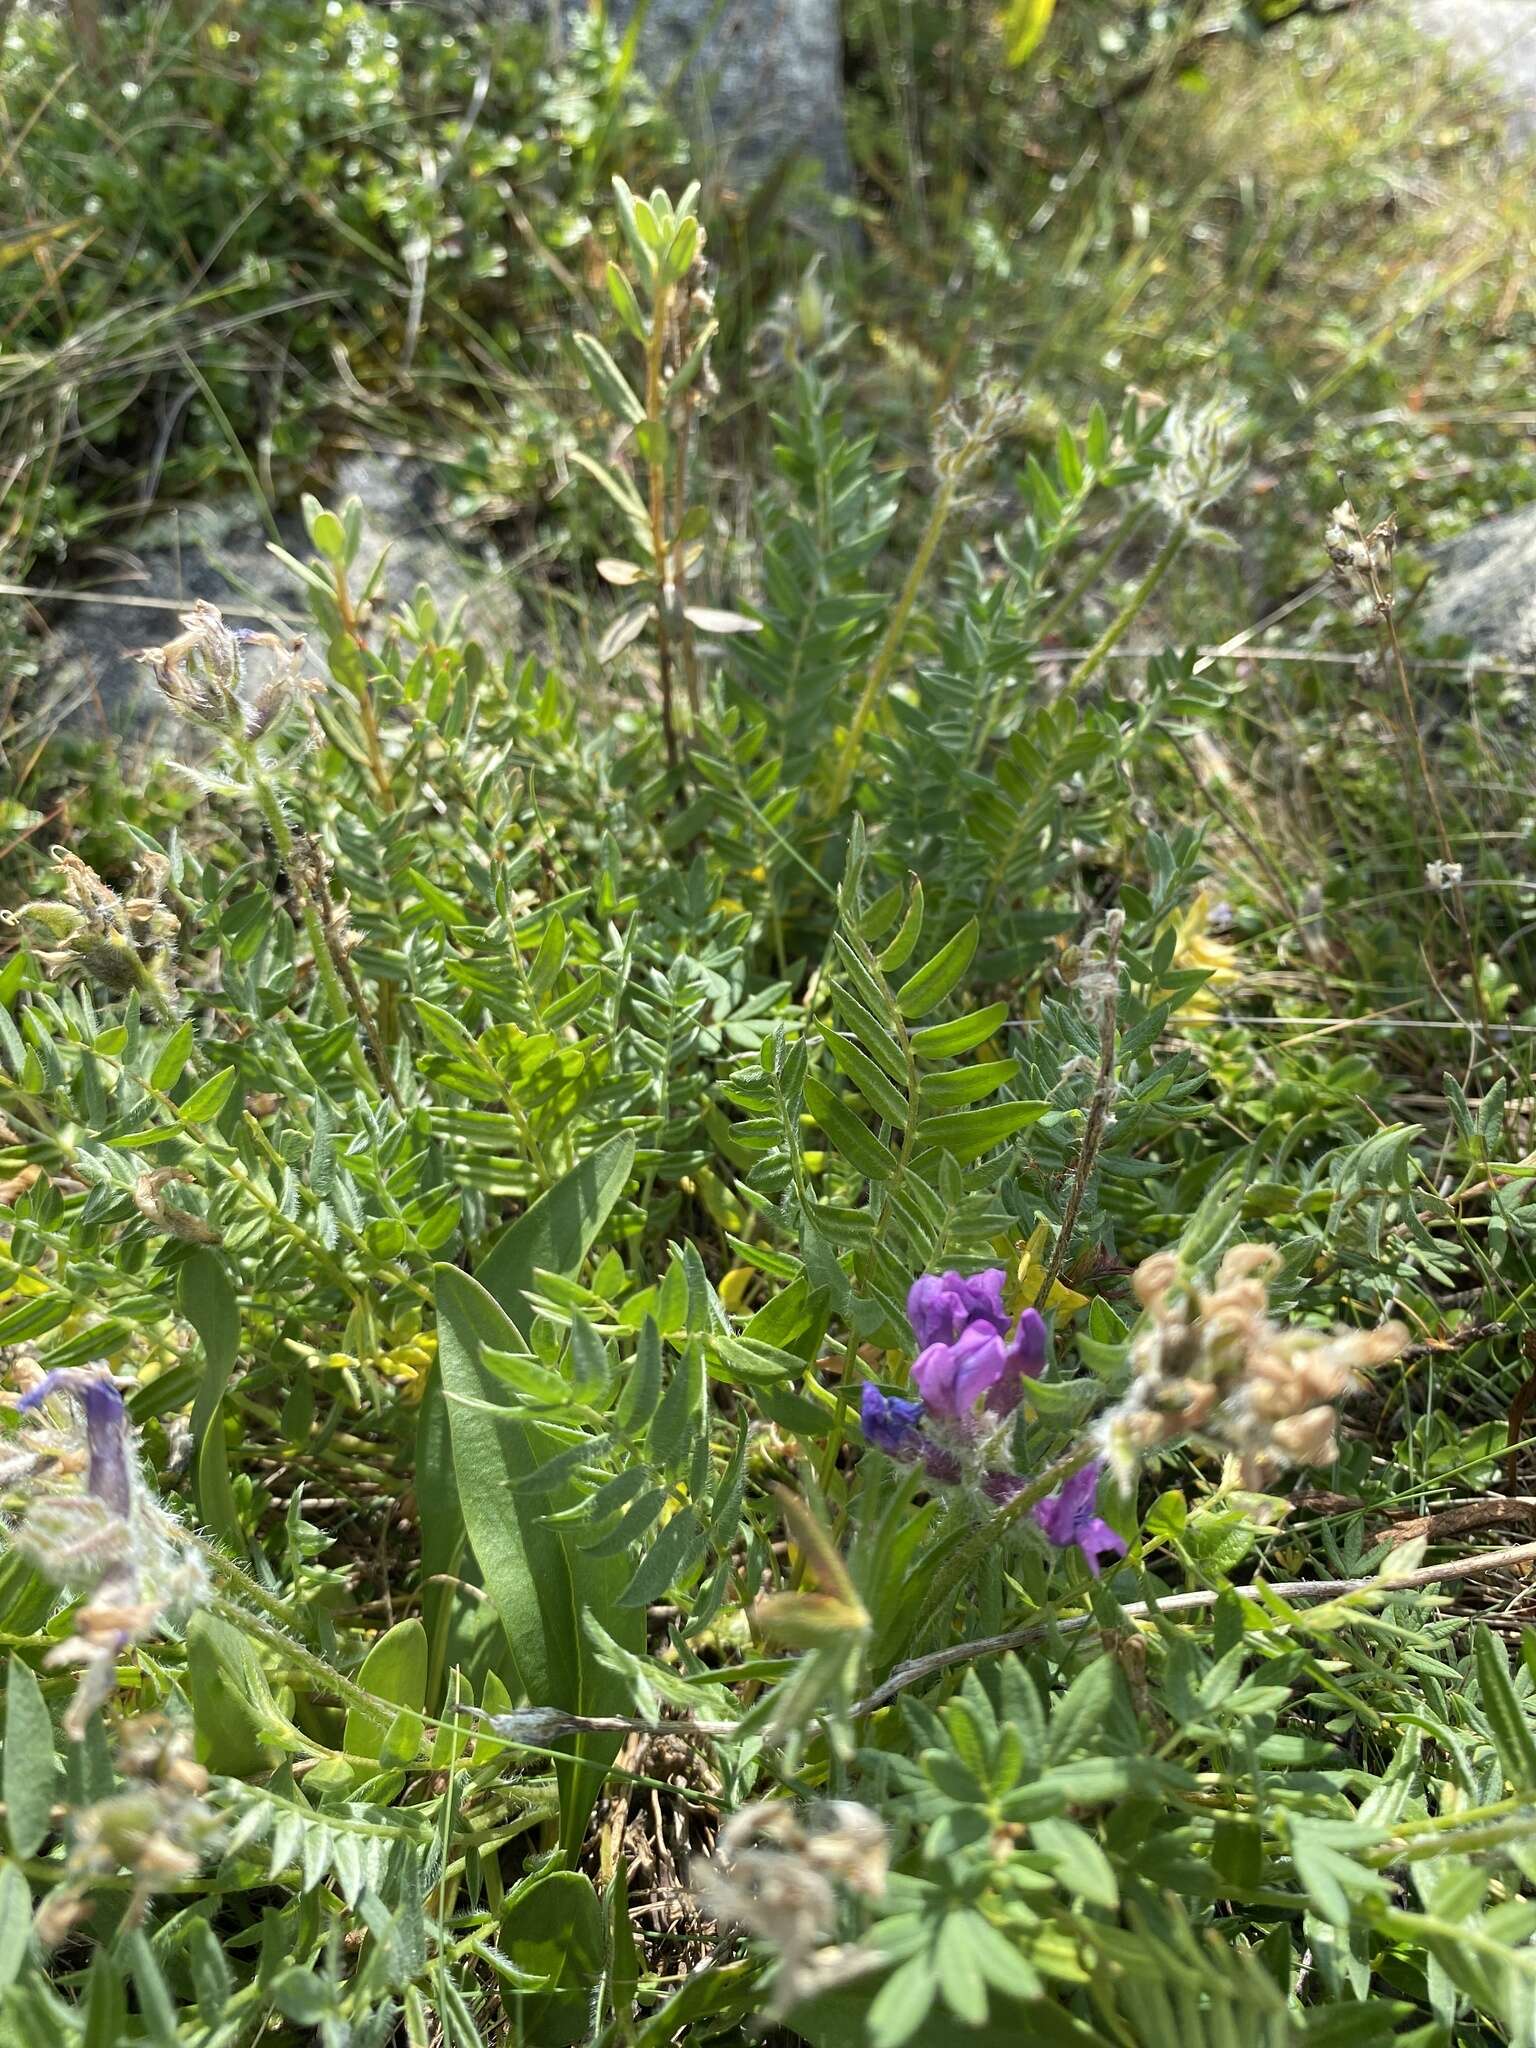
{"points": [[498, 1197], [169, 305]]}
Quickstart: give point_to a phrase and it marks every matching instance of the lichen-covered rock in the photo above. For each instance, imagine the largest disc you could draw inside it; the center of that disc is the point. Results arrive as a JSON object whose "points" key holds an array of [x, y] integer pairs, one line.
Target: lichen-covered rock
{"points": [[1483, 588], [760, 81], [86, 667]]}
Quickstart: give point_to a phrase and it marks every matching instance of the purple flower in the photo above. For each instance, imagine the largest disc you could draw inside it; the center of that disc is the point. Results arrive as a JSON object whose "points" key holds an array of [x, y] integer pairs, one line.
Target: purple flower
{"points": [[953, 1377], [957, 1318], [889, 1423], [1068, 1516], [109, 1477], [1023, 1359], [942, 1306]]}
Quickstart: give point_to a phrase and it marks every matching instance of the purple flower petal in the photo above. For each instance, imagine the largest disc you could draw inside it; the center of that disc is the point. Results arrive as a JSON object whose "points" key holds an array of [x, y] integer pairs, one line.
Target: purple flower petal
{"points": [[1096, 1540], [935, 1308], [1068, 1517], [109, 1476], [983, 1295], [1023, 1359], [1026, 1347], [941, 1307], [889, 1423], [953, 1377]]}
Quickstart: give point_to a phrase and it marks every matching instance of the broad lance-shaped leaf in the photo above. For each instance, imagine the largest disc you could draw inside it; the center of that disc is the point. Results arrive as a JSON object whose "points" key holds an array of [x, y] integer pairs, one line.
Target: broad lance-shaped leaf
{"points": [[557, 1231], [553, 1235], [540, 1588], [28, 1760]]}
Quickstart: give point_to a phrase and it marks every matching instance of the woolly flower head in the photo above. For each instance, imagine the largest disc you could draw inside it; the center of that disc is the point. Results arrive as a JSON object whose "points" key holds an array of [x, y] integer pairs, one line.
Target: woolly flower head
{"points": [[89, 1524], [1212, 1364], [1202, 460], [779, 1874], [123, 943], [204, 674], [968, 430]]}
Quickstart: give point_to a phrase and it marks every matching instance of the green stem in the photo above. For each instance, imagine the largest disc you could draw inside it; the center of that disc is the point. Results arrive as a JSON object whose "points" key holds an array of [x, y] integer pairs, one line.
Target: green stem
{"points": [[885, 659], [1109, 639], [1094, 567], [657, 509], [325, 967]]}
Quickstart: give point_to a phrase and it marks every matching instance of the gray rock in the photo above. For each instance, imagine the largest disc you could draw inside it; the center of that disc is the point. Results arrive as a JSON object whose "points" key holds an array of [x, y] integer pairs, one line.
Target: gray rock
{"points": [[1497, 37], [1483, 588], [86, 670], [759, 82]]}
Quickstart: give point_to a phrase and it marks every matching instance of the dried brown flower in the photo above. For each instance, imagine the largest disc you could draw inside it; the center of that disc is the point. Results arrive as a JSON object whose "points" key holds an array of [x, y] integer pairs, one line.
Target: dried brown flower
{"points": [[775, 1874], [1211, 1364]]}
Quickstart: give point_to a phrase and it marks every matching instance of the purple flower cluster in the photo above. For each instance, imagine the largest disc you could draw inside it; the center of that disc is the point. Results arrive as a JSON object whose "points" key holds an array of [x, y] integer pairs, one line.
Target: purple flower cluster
{"points": [[972, 1362], [968, 1351]]}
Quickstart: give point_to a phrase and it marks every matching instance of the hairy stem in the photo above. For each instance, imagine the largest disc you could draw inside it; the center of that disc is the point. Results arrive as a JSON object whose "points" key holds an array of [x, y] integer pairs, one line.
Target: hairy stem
{"points": [[1098, 1107]]}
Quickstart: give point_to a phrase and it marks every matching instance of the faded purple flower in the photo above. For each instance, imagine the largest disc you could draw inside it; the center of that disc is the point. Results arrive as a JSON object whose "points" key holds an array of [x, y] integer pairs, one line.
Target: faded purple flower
{"points": [[941, 1465], [1023, 1359], [1001, 1488], [889, 1423], [1069, 1516], [109, 1477], [953, 1377], [942, 1306]]}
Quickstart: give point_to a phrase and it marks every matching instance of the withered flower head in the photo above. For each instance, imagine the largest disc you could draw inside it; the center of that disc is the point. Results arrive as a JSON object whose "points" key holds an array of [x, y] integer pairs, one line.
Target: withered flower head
{"points": [[1362, 561], [775, 1874], [1211, 1363], [203, 674], [157, 1827], [168, 1217]]}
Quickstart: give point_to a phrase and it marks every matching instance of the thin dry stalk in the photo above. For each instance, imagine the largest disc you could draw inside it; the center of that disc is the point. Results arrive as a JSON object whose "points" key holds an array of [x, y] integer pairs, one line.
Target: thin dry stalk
{"points": [[1099, 1107]]}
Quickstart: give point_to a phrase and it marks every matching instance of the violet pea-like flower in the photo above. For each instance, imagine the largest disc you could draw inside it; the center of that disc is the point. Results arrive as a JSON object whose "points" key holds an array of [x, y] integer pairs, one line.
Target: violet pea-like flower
{"points": [[1023, 1359], [942, 1306], [952, 1378], [109, 1473], [1070, 1517], [890, 1424]]}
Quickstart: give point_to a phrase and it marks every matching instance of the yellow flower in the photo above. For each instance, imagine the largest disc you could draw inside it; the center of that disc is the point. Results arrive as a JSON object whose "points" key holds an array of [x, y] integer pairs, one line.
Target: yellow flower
{"points": [[1031, 1277], [408, 1364], [1194, 948], [735, 1285]]}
